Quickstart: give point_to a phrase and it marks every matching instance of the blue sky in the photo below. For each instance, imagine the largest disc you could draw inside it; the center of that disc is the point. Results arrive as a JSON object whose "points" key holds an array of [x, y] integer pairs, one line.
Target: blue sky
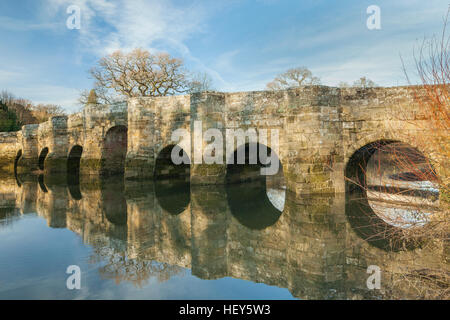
{"points": [[241, 44]]}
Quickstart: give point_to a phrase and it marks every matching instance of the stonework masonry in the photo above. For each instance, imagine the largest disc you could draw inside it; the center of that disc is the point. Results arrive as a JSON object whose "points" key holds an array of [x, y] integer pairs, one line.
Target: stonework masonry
{"points": [[320, 128]]}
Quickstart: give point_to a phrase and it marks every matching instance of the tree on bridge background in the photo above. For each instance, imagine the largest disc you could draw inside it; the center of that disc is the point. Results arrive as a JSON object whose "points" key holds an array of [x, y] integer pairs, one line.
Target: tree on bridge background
{"points": [[292, 78], [362, 82], [140, 73]]}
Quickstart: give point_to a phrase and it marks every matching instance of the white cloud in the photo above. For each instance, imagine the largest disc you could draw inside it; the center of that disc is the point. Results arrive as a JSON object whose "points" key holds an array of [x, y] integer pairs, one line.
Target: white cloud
{"points": [[107, 26]]}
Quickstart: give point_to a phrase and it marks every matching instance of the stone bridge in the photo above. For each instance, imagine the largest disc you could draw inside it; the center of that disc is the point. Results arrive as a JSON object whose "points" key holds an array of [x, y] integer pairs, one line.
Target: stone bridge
{"points": [[319, 130]]}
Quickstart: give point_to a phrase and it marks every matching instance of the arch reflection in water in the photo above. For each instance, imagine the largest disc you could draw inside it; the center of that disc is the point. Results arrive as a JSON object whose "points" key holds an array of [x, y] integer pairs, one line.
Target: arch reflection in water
{"points": [[257, 201], [173, 196], [389, 191], [250, 205], [311, 251], [16, 162], [114, 201], [42, 184], [73, 172]]}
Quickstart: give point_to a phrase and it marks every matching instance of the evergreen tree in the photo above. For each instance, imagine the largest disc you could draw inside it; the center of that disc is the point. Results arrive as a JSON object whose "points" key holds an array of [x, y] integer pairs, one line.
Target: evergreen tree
{"points": [[8, 119]]}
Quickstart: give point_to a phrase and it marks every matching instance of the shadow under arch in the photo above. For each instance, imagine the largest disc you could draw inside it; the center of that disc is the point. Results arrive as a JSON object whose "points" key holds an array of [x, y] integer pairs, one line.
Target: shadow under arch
{"points": [[114, 151], [16, 162], [73, 171], [172, 179], [366, 223], [255, 200], [42, 156]]}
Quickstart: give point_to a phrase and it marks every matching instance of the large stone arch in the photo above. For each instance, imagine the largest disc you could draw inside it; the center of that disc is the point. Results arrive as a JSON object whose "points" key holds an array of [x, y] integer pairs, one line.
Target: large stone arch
{"points": [[164, 168], [114, 150], [369, 222], [245, 148], [398, 135]]}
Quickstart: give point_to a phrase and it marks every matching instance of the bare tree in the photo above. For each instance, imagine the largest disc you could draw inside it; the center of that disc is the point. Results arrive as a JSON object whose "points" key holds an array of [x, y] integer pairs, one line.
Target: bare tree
{"points": [[139, 74], [364, 82], [103, 96], [200, 82], [43, 111], [293, 78], [343, 84]]}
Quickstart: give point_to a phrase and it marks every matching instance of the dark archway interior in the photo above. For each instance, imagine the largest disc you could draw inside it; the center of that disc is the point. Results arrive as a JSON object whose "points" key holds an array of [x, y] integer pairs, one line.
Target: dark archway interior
{"points": [[247, 190], [166, 169], [114, 151], [42, 157], [73, 172], [172, 179], [363, 175]]}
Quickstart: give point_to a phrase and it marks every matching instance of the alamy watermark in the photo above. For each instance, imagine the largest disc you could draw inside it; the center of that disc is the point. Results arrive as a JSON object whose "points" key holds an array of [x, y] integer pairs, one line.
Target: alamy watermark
{"points": [[74, 280], [374, 20], [215, 152], [74, 20], [374, 280]]}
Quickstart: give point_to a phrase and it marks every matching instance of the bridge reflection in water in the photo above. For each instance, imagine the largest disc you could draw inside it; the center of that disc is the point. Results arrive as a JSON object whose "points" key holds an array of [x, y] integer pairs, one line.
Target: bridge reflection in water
{"points": [[139, 231]]}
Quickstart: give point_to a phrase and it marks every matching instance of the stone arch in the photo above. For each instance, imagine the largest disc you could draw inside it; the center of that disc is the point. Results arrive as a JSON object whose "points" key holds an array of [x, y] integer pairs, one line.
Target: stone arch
{"points": [[359, 155], [73, 171], [374, 137], [255, 200], [380, 225], [42, 157], [114, 150], [164, 167]]}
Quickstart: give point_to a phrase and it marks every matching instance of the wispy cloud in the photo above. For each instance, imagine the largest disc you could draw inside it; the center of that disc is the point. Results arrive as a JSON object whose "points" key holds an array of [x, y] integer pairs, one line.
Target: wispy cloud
{"points": [[7, 23], [108, 26]]}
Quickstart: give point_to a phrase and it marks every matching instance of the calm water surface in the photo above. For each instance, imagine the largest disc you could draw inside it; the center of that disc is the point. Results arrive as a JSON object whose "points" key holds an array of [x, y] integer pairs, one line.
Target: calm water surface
{"points": [[168, 240]]}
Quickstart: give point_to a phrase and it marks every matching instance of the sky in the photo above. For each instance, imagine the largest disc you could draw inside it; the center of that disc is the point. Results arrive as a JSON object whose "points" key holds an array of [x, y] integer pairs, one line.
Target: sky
{"points": [[242, 44]]}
